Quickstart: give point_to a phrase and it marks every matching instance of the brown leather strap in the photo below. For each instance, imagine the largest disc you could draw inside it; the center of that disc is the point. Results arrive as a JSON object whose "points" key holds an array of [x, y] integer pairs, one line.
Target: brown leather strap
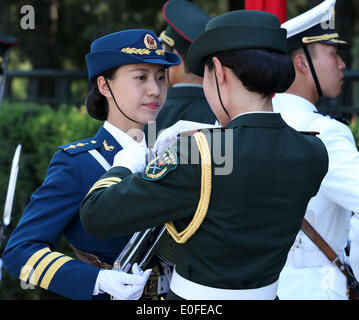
{"points": [[90, 258], [323, 246]]}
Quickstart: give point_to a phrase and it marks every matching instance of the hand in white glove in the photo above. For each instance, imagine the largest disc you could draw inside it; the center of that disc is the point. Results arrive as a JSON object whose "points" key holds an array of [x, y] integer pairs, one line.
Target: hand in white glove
{"points": [[122, 285], [169, 135], [132, 157]]}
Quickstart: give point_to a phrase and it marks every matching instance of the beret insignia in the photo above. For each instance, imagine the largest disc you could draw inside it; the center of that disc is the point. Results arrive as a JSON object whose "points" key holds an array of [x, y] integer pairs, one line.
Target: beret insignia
{"points": [[160, 166]]}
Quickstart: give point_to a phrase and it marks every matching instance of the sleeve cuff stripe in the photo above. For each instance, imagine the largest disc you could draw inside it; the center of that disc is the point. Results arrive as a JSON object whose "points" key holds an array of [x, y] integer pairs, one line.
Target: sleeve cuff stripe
{"points": [[52, 270], [53, 259], [42, 266], [29, 265]]}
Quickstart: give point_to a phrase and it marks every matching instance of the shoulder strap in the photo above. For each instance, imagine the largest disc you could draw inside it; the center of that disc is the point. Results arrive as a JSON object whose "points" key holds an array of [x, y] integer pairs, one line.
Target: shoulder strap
{"points": [[77, 147], [100, 159], [308, 229], [334, 117]]}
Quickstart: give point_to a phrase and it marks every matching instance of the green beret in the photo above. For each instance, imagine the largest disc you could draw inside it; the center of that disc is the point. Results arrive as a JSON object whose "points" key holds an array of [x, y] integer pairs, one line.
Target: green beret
{"points": [[240, 29]]}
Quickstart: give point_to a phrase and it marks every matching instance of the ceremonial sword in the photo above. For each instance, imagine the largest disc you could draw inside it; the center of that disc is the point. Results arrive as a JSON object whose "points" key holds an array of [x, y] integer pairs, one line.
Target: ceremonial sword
{"points": [[9, 198], [10, 194], [3, 80], [140, 249]]}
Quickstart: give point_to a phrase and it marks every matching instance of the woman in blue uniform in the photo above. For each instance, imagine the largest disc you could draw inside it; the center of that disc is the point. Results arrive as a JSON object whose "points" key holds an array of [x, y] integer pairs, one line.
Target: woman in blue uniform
{"points": [[128, 71]]}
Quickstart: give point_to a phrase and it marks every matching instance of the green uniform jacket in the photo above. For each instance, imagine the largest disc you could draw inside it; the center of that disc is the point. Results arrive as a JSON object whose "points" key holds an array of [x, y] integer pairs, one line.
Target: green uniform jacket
{"points": [[185, 103], [250, 216]]}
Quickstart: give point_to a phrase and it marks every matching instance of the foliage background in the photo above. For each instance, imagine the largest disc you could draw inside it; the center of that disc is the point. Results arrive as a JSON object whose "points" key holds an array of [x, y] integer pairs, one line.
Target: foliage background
{"points": [[64, 29], [40, 130], [354, 126]]}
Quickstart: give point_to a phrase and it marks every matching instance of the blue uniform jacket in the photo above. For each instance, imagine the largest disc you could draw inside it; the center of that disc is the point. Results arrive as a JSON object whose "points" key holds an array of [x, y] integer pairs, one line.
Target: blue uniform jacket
{"points": [[53, 210]]}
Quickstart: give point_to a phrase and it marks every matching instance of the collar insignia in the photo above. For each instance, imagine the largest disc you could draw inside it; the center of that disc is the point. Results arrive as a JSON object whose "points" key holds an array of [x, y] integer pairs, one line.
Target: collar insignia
{"points": [[107, 147]]}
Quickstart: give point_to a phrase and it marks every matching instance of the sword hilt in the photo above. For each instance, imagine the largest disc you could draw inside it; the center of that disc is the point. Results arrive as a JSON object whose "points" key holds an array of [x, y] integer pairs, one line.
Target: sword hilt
{"points": [[3, 229]]}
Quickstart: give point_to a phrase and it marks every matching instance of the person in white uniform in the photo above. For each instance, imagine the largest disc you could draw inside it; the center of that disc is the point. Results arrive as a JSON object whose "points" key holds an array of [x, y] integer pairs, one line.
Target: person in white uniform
{"points": [[313, 45]]}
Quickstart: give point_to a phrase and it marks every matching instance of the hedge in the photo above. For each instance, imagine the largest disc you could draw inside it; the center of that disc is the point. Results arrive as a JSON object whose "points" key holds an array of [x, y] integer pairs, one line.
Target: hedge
{"points": [[354, 126]]}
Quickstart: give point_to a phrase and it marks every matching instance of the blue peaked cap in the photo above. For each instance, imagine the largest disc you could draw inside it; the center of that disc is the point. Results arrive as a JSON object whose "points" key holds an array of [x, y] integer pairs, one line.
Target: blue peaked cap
{"points": [[133, 46]]}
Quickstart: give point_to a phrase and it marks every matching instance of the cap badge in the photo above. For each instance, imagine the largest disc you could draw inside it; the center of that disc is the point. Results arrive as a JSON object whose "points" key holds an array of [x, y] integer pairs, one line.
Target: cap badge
{"points": [[150, 42]]}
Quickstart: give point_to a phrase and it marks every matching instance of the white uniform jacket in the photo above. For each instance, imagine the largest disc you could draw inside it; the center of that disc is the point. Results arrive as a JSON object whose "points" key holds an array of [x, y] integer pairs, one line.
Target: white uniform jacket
{"points": [[308, 274]]}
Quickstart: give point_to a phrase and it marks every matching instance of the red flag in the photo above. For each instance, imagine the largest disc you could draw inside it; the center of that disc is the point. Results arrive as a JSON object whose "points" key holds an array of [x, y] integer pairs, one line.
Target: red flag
{"points": [[277, 7]]}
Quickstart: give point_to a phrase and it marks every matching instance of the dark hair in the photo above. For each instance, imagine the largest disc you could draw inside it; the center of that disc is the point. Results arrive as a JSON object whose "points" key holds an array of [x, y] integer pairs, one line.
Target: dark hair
{"points": [[182, 53], [260, 70], [185, 63], [96, 103]]}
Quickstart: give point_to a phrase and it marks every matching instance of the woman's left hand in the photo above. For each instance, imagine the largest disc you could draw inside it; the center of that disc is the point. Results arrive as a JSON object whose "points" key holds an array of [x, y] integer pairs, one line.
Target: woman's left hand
{"points": [[169, 135]]}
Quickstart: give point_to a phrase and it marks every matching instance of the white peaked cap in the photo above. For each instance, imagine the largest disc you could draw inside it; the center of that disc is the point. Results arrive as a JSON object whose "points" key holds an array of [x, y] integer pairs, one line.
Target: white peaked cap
{"points": [[319, 14], [314, 26]]}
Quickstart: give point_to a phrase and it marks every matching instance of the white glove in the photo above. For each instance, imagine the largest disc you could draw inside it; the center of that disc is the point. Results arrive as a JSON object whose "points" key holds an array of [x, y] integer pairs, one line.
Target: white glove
{"points": [[122, 285], [169, 135], [132, 157]]}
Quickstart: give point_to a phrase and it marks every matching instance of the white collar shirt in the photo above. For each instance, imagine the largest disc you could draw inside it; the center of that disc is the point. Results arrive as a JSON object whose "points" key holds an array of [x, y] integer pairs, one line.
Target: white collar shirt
{"points": [[121, 137]]}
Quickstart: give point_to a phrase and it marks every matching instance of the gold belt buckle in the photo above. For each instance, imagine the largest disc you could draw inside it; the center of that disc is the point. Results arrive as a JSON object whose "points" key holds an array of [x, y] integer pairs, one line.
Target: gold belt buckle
{"points": [[151, 287]]}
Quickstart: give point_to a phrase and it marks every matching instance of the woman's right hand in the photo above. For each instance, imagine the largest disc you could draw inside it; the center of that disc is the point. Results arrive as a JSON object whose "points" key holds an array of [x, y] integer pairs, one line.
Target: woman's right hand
{"points": [[132, 157], [121, 285]]}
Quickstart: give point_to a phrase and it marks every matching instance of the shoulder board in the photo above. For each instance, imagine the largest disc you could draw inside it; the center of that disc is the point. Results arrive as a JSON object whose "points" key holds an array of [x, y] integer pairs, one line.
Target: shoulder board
{"points": [[309, 133], [340, 119], [80, 146]]}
